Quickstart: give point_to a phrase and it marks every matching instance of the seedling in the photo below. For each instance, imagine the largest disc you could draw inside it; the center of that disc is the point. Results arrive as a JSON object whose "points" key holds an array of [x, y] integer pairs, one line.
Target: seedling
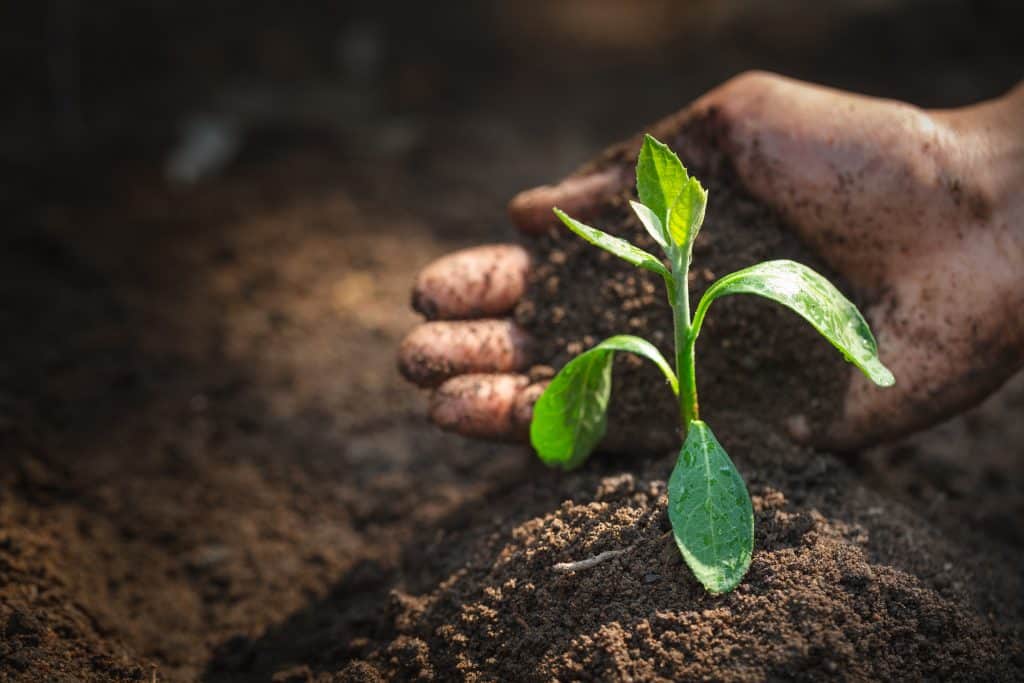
{"points": [[708, 503]]}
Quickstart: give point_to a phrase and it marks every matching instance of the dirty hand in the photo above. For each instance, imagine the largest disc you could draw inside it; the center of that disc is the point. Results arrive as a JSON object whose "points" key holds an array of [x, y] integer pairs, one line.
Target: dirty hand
{"points": [[920, 211]]}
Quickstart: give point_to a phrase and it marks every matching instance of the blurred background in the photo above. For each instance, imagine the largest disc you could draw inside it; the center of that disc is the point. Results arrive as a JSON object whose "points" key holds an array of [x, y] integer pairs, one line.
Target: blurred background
{"points": [[200, 85], [212, 214]]}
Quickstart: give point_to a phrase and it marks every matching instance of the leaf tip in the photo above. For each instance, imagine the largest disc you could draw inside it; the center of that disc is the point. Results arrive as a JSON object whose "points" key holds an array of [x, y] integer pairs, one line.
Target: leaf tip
{"points": [[884, 377]]}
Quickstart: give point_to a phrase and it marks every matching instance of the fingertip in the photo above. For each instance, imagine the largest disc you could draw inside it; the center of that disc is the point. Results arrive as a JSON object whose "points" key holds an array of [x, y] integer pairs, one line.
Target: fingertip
{"points": [[579, 196], [478, 405], [532, 210], [435, 351], [470, 283]]}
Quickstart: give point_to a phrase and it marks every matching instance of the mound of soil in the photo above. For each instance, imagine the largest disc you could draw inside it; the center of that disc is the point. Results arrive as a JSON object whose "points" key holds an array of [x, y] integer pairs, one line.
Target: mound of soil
{"points": [[843, 582], [752, 356]]}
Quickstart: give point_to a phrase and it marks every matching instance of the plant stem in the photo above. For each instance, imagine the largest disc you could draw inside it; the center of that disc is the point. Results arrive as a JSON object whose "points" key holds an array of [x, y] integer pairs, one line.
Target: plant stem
{"points": [[684, 343]]}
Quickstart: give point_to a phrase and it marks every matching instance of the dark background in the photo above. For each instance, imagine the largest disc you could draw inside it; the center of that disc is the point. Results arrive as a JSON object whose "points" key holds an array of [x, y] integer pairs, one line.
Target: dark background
{"points": [[119, 79]]}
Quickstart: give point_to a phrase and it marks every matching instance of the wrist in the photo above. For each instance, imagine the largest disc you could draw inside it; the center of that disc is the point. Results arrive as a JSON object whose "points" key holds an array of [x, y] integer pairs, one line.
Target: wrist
{"points": [[991, 137]]}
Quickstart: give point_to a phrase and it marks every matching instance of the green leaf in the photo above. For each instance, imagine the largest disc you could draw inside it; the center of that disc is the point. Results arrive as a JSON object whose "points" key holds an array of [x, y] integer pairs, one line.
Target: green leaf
{"points": [[816, 299], [620, 247], [687, 213], [650, 221], [660, 177], [710, 510], [677, 199], [569, 418]]}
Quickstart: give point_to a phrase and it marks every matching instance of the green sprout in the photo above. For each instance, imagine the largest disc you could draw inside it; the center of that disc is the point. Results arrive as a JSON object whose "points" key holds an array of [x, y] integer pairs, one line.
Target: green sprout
{"points": [[708, 503]]}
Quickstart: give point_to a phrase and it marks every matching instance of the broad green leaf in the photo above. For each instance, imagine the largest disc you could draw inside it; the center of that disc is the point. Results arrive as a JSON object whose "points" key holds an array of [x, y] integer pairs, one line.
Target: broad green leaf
{"points": [[620, 247], [660, 177], [816, 299], [687, 213], [710, 510], [651, 222], [569, 418]]}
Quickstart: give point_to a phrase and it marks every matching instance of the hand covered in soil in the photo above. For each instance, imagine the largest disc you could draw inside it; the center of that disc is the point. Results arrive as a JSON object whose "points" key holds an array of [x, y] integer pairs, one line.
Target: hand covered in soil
{"points": [[920, 211]]}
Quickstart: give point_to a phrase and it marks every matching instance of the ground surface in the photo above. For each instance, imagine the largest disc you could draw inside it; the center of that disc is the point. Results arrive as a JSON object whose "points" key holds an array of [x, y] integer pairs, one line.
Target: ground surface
{"points": [[210, 469]]}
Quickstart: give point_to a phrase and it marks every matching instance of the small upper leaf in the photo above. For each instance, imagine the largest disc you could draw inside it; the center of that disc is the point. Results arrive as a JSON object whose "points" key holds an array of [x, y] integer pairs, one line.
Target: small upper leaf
{"points": [[677, 199], [660, 177], [816, 299], [687, 213], [710, 510], [650, 221], [620, 247], [569, 418]]}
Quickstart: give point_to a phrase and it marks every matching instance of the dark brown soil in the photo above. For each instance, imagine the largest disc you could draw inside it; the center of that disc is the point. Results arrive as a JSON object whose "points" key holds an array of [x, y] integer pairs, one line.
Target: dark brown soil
{"points": [[844, 582], [753, 356], [206, 486], [210, 469]]}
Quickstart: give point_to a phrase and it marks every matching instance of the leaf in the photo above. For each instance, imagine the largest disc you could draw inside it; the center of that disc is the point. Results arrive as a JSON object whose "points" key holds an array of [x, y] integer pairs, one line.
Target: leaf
{"points": [[677, 199], [620, 247], [687, 213], [651, 222], [710, 510], [660, 177], [816, 299], [569, 418]]}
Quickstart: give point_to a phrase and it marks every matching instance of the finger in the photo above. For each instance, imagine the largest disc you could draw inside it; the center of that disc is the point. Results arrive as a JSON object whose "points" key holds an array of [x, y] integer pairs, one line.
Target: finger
{"points": [[579, 196], [490, 406], [472, 283], [436, 351]]}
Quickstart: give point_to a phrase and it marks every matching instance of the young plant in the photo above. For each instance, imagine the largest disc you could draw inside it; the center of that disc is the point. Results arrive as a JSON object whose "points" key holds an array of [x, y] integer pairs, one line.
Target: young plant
{"points": [[708, 504]]}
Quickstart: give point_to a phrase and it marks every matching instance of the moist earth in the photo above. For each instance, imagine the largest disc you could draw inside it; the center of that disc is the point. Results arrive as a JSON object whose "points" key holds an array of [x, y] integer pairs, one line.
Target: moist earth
{"points": [[206, 486], [210, 469], [753, 355], [844, 582]]}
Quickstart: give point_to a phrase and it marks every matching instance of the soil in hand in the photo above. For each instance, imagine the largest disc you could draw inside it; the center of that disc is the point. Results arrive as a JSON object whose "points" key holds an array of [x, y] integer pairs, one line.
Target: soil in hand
{"points": [[753, 355], [844, 581]]}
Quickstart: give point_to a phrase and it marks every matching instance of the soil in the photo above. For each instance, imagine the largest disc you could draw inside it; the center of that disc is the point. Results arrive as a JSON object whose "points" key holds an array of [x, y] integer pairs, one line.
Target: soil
{"points": [[845, 582], [206, 487], [211, 470], [753, 356]]}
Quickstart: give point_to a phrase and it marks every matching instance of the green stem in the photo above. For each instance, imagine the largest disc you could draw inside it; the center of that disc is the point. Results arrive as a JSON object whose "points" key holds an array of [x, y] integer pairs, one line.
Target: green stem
{"points": [[684, 343], [686, 371]]}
